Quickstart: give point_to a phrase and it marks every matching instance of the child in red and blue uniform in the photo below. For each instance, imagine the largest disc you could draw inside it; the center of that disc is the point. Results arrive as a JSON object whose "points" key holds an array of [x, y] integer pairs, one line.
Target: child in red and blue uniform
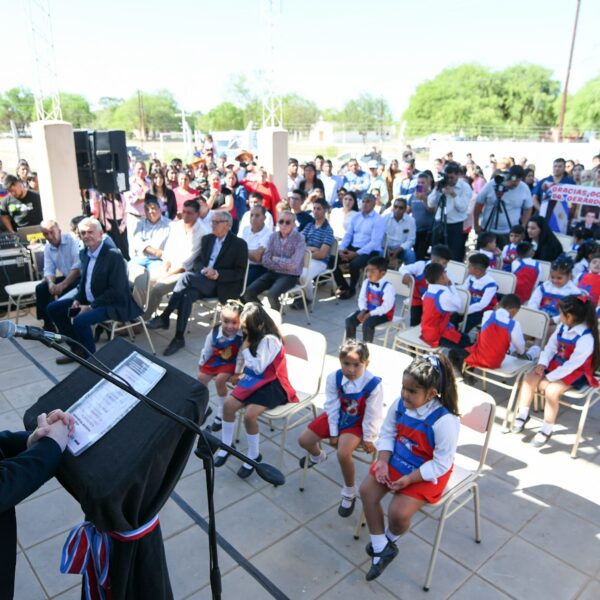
{"points": [[482, 287], [527, 271], [220, 358], [439, 254], [590, 281], [547, 296], [487, 244], [568, 361], [416, 444], [264, 384], [440, 302], [509, 252], [376, 301], [353, 415]]}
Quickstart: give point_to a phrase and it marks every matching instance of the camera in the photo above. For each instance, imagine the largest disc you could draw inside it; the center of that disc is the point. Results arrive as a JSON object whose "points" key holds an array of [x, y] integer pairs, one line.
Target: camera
{"points": [[500, 179], [441, 183]]}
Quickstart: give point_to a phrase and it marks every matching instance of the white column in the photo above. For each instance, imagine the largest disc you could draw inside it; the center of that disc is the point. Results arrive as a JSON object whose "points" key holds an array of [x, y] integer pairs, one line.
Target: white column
{"points": [[273, 154]]}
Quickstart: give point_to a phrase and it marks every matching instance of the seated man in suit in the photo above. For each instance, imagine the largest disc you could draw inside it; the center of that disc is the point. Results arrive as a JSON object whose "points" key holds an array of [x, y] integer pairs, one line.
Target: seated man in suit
{"points": [[61, 254], [103, 292], [27, 461], [218, 270]]}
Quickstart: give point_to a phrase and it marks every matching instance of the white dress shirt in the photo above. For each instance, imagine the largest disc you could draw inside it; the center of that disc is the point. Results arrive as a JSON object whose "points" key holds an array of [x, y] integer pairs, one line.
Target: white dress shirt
{"points": [[207, 350], [445, 430], [388, 301], [63, 258], [517, 341], [268, 348], [257, 240], [547, 287], [365, 233], [373, 409], [583, 349], [449, 299], [183, 245], [245, 221], [400, 233], [457, 208], [485, 283]]}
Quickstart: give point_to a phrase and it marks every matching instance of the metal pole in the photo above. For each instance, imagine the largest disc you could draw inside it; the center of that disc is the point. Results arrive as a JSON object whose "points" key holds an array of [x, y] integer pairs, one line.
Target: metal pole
{"points": [[563, 105]]}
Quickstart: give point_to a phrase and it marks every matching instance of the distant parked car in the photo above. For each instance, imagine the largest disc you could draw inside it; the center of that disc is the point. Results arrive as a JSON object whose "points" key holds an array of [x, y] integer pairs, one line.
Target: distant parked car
{"points": [[137, 153]]}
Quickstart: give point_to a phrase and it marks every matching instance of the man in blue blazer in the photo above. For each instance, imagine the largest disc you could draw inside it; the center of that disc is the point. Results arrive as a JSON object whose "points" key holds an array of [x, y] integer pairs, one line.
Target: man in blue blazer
{"points": [[103, 292], [27, 461]]}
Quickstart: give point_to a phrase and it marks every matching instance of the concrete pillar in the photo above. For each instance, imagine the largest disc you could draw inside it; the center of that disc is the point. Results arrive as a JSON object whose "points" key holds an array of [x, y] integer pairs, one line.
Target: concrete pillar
{"points": [[54, 147], [273, 154]]}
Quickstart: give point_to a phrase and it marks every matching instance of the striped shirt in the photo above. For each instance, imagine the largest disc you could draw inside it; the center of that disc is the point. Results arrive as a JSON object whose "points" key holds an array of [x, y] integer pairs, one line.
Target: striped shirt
{"points": [[315, 236]]}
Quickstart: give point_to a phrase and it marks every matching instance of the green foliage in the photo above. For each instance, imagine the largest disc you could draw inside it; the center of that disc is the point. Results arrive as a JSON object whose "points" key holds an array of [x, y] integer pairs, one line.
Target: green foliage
{"points": [[222, 117], [158, 111], [473, 98], [583, 109], [298, 113], [104, 115], [75, 110], [16, 104], [363, 114]]}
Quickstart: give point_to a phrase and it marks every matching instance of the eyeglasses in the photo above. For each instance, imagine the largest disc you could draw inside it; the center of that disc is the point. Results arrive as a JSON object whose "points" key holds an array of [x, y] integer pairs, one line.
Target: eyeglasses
{"points": [[284, 222], [213, 222]]}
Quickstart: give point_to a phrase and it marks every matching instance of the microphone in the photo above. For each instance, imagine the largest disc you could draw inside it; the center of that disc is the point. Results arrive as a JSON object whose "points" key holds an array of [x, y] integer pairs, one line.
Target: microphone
{"points": [[8, 329]]}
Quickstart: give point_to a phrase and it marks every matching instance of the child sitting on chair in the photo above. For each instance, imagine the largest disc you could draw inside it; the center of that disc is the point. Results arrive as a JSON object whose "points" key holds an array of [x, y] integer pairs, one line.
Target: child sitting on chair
{"points": [[499, 335], [487, 244], [527, 271], [509, 252], [590, 281], [440, 301], [220, 359], [482, 287], [439, 254], [353, 414], [416, 446], [376, 301]]}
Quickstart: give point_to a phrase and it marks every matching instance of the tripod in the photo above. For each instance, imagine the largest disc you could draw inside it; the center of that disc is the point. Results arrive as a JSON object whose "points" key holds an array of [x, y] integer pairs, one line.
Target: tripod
{"points": [[440, 233], [498, 209]]}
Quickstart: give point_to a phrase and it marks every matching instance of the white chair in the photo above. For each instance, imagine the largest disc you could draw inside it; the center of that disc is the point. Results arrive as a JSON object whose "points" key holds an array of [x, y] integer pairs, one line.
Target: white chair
{"points": [[326, 276], [20, 294], [477, 411], [534, 323], [544, 270], [305, 354], [580, 400], [299, 290], [409, 340], [139, 281], [566, 241], [457, 272], [404, 294], [507, 282]]}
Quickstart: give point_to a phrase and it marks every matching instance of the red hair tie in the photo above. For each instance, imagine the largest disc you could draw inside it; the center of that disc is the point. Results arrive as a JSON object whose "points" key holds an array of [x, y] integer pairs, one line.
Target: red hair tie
{"points": [[583, 298]]}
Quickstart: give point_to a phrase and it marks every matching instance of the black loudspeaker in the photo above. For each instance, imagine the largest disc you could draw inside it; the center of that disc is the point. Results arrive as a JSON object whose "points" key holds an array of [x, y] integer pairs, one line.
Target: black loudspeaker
{"points": [[111, 165], [83, 156]]}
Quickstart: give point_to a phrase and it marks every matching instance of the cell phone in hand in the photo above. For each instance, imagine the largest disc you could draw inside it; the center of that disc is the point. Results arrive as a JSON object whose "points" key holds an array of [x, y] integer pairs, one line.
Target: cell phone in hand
{"points": [[420, 188], [74, 311]]}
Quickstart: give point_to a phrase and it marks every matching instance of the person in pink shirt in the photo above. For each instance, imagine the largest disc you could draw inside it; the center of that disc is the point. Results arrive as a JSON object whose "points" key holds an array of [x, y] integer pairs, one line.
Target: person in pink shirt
{"points": [[183, 192]]}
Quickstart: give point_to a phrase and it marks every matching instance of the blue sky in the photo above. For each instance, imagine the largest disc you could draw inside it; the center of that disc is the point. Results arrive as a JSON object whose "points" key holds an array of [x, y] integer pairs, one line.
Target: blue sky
{"points": [[328, 51]]}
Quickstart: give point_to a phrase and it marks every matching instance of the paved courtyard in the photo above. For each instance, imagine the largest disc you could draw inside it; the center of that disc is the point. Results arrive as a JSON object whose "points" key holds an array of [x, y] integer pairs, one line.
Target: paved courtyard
{"points": [[540, 512]]}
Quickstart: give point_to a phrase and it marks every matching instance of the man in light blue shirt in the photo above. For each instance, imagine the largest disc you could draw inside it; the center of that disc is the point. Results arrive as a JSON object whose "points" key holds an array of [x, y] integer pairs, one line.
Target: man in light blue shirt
{"points": [[150, 237], [61, 269], [356, 181], [363, 240]]}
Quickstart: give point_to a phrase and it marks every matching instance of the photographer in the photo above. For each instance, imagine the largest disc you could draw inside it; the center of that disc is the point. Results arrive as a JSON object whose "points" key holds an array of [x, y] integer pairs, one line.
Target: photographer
{"points": [[504, 201], [450, 198]]}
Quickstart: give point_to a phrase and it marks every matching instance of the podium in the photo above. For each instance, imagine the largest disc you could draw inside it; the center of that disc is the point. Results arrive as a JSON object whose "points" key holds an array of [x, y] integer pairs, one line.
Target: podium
{"points": [[125, 478]]}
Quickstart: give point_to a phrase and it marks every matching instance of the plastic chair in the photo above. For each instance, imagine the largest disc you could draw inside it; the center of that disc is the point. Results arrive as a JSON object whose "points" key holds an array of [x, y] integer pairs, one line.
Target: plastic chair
{"points": [[477, 411], [566, 241], [305, 354], [298, 291], [20, 294], [139, 281], [404, 294], [457, 272], [507, 282], [327, 275], [544, 270], [409, 340]]}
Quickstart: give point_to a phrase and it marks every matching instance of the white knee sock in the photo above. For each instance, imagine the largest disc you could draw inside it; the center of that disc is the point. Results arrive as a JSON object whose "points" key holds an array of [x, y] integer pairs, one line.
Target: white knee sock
{"points": [[391, 536], [547, 428], [226, 435], [220, 402], [523, 413], [348, 492], [253, 444], [378, 542]]}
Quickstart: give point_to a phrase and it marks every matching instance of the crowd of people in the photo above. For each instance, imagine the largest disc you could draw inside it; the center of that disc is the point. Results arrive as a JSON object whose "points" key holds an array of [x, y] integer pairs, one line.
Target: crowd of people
{"points": [[219, 228]]}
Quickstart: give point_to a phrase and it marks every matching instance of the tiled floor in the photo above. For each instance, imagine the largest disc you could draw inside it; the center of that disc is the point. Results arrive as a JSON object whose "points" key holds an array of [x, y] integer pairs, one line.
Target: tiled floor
{"points": [[540, 512]]}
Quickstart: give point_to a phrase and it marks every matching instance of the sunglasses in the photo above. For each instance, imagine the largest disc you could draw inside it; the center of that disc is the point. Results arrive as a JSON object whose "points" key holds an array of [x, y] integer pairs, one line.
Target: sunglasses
{"points": [[284, 222]]}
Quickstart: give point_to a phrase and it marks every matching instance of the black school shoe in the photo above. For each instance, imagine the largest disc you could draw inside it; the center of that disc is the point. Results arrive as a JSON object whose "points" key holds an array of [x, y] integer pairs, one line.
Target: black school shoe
{"points": [[221, 460], [217, 424], [386, 556], [346, 512], [245, 472]]}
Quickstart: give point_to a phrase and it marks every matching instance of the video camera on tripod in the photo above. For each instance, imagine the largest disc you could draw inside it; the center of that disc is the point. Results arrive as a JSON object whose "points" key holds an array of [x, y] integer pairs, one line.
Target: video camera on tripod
{"points": [[500, 179]]}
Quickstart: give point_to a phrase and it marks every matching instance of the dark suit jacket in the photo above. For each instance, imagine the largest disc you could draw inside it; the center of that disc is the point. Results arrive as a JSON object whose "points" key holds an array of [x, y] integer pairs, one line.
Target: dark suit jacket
{"points": [[231, 264], [22, 472], [110, 285]]}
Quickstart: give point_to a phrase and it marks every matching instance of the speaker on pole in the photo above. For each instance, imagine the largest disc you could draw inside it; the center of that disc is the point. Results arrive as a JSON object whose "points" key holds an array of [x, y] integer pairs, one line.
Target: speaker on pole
{"points": [[111, 164], [83, 156]]}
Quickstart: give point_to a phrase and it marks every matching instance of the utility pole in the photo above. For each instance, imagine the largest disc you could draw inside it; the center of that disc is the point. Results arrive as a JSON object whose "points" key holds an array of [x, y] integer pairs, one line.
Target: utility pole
{"points": [[563, 105], [142, 118]]}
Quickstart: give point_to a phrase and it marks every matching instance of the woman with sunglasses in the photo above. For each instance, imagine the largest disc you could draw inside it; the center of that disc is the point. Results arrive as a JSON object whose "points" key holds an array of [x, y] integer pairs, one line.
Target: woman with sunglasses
{"points": [[283, 258]]}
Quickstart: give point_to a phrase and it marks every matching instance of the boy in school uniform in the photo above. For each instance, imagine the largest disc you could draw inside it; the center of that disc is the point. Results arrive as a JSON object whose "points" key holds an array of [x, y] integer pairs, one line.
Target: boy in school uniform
{"points": [[376, 301], [509, 252], [499, 335], [439, 254], [487, 244], [440, 301], [527, 271], [483, 290]]}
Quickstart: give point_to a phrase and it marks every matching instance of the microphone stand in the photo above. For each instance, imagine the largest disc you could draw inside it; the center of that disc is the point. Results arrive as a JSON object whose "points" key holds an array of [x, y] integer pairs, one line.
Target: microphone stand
{"points": [[208, 444]]}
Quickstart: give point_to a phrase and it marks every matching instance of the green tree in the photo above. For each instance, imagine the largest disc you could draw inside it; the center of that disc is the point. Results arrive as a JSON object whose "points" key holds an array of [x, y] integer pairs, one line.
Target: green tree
{"points": [[222, 117], [75, 110], [156, 112], [364, 114], [583, 109], [16, 104], [299, 114], [104, 114]]}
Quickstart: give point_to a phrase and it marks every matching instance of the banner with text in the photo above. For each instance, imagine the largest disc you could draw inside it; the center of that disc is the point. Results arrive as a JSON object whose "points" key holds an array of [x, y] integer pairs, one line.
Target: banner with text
{"points": [[576, 194]]}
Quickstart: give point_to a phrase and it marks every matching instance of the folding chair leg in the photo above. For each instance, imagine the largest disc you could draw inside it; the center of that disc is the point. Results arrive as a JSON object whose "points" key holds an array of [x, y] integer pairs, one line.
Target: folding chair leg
{"points": [[282, 445], [362, 521], [143, 324], [476, 510], [305, 309], [304, 472], [580, 426], [240, 418], [436, 547], [510, 407]]}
